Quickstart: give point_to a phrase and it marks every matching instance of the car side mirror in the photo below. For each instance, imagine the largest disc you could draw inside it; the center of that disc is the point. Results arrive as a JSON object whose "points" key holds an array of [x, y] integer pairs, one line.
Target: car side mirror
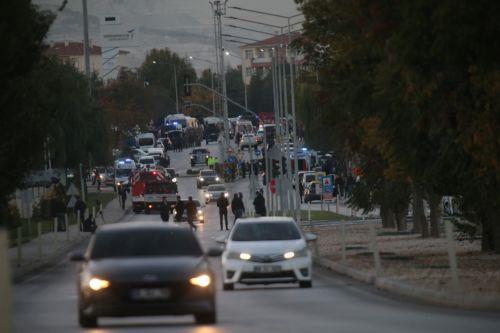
{"points": [[310, 237], [214, 252], [77, 257]]}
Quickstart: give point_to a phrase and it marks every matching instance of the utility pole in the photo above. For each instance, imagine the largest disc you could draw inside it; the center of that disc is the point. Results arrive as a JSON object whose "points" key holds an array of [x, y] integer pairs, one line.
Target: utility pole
{"points": [[219, 9], [176, 91], [86, 47]]}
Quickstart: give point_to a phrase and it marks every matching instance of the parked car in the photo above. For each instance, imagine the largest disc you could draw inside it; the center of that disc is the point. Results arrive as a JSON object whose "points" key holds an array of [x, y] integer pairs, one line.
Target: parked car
{"points": [[267, 250], [145, 269]]}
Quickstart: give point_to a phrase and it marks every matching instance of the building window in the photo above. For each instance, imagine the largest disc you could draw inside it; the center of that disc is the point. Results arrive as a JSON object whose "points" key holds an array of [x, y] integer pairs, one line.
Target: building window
{"points": [[248, 71], [248, 54], [261, 53], [270, 53]]}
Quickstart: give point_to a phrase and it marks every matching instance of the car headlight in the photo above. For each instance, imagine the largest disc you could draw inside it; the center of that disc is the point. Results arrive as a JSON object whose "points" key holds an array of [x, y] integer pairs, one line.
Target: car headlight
{"points": [[174, 180], [217, 179], [192, 157], [294, 254], [202, 280], [207, 195], [200, 217], [245, 256], [174, 212], [97, 284], [200, 212], [206, 156], [226, 194], [201, 179]]}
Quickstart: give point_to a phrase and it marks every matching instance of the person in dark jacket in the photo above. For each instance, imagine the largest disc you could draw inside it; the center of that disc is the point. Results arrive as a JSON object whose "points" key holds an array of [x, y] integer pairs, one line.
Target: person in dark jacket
{"points": [[165, 210], [89, 224], [191, 212], [79, 208], [122, 192], [179, 209], [259, 204], [222, 203], [237, 207]]}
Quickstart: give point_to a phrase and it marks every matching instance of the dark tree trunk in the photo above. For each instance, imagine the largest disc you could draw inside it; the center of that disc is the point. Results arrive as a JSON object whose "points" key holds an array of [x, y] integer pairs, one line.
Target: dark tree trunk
{"points": [[435, 206], [419, 219], [387, 216], [400, 217]]}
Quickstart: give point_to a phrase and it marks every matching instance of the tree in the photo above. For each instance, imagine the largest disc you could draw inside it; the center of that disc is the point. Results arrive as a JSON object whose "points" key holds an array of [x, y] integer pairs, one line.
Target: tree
{"points": [[22, 123]]}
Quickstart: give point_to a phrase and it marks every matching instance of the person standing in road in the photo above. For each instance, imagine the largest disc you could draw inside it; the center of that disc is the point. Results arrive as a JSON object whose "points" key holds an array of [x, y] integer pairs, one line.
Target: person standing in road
{"points": [[191, 212], [165, 210], [301, 191], [259, 204], [243, 169], [236, 207], [179, 209], [222, 203], [242, 205]]}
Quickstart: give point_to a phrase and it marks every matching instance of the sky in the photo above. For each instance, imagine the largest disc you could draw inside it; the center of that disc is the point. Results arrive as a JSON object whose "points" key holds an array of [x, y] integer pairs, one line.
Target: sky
{"points": [[184, 26]]}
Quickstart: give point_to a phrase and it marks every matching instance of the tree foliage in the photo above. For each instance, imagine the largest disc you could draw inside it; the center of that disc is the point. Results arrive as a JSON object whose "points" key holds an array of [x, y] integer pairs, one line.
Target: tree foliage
{"points": [[412, 88]]}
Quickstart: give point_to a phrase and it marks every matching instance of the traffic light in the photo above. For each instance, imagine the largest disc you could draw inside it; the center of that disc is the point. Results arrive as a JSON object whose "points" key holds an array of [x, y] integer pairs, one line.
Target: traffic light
{"points": [[283, 165], [276, 168]]}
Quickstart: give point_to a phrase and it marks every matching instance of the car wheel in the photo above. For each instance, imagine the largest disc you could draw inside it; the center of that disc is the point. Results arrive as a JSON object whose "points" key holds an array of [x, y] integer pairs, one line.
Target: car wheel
{"points": [[228, 286], [86, 321], [206, 318], [305, 284]]}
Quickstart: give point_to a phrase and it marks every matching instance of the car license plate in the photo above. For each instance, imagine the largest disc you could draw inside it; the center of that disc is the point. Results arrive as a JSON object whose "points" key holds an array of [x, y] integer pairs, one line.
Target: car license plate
{"points": [[150, 294], [267, 269]]}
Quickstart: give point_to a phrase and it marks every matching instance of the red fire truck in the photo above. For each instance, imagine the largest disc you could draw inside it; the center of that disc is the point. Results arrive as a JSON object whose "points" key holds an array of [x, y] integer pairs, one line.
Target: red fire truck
{"points": [[149, 187]]}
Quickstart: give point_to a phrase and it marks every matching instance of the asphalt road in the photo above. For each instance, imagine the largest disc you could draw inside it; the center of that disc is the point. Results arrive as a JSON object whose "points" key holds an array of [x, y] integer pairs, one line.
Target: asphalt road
{"points": [[47, 302]]}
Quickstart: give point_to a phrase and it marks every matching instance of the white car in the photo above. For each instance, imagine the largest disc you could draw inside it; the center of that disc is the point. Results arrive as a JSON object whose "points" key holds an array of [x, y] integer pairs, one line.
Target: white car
{"points": [[145, 161], [213, 192], [248, 140], [267, 250]]}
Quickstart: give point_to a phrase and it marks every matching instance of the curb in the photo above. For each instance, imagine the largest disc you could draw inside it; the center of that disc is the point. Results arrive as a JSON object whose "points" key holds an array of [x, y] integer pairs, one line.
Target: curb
{"points": [[429, 296], [49, 260]]}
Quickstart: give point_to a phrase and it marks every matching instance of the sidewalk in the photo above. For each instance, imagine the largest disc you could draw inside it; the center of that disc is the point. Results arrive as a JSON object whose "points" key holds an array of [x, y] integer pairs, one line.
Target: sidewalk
{"points": [[51, 247], [343, 209]]}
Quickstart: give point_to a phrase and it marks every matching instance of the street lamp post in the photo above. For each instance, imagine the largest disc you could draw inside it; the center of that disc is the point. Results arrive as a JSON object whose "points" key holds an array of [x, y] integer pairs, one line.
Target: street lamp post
{"points": [[211, 78]]}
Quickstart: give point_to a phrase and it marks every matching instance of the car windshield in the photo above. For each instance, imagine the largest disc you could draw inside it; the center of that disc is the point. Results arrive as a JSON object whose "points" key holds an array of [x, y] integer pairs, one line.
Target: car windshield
{"points": [[200, 151], [207, 173], [145, 142], [171, 172], [216, 188], [310, 178], [123, 172], [146, 242], [265, 231]]}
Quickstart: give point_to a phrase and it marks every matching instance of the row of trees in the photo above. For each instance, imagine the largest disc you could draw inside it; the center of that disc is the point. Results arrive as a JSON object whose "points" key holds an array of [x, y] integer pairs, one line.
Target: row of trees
{"points": [[46, 105], [410, 90]]}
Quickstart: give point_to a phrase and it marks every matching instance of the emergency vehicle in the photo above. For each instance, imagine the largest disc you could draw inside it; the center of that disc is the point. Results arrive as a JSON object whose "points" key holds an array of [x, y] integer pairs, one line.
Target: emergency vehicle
{"points": [[124, 168], [149, 187]]}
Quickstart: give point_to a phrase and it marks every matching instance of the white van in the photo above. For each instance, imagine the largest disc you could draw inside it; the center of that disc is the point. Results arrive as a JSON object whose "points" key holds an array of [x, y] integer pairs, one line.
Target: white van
{"points": [[146, 141], [123, 172]]}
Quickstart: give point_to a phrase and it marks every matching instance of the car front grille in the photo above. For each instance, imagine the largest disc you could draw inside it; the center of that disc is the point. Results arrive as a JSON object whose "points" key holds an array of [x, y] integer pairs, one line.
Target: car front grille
{"points": [[273, 275], [267, 258]]}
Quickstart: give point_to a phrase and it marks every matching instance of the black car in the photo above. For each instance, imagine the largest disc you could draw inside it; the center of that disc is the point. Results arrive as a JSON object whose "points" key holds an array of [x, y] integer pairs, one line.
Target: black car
{"points": [[145, 269], [199, 156]]}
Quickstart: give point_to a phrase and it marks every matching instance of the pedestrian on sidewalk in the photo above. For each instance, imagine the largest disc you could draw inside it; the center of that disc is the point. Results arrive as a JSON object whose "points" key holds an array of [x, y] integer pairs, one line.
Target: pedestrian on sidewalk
{"points": [[259, 204], [79, 208], [191, 212], [243, 169], [165, 210], [242, 205], [122, 192], [301, 191], [222, 203], [98, 207]]}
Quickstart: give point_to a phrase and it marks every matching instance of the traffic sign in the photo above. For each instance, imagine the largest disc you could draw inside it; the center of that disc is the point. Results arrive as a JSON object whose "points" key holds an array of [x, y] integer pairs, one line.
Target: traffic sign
{"points": [[327, 182], [257, 152]]}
